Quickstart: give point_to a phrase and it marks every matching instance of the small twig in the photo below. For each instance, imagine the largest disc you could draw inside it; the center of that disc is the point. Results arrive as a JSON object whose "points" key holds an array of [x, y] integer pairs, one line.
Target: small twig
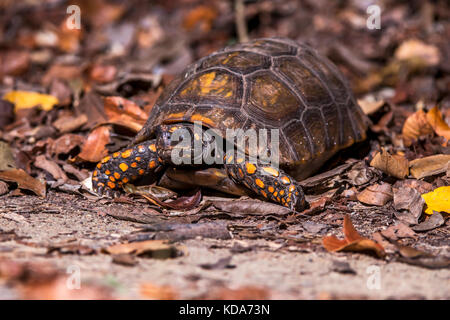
{"points": [[241, 24]]}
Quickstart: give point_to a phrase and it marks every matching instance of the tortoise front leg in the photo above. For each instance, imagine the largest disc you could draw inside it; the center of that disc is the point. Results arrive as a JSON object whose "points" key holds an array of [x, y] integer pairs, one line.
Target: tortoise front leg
{"points": [[124, 166], [272, 183]]}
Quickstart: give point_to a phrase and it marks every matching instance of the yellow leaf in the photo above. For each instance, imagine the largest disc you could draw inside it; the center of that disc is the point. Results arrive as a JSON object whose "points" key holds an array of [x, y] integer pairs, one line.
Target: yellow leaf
{"points": [[29, 99], [437, 200]]}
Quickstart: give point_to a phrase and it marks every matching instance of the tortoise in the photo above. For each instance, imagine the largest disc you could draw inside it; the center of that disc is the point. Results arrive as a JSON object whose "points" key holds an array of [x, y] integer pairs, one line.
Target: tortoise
{"points": [[270, 83]]}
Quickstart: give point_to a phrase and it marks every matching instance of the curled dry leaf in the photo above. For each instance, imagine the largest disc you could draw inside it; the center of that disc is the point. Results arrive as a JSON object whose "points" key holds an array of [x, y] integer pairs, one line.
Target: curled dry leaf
{"points": [[393, 165], [377, 194], [422, 124], [94, 149], [429, 166], [28, 99], [24, 181], [436, 220], [415, 126], [352, 241], [438, 124], [437, 200]]}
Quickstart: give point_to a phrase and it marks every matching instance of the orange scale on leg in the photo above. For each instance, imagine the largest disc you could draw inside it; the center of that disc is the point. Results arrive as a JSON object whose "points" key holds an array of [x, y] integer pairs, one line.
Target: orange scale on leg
{"points": [[126, 153]]}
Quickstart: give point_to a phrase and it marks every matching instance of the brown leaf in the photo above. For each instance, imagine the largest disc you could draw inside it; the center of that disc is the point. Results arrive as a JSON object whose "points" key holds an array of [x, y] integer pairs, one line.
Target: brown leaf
{"points": [[400, 230], [377, 194], [353, 241], [414, 49], [419, 185], [202, 16], [24, 181], [409, 204], [416, 126], [438, 124], [432, 222], [394, 165], [125, 112], [94, 149], [51, 167], [69, 123], [158, 249], [13, 62], [102, 73], [429, 166], [65, 144]]}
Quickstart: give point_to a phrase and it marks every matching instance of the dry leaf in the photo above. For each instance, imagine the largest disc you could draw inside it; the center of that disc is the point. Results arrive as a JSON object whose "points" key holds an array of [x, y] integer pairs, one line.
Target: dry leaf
{"points": [[400, 230], [28, 99], [353, 241], [414, 49], [202, 16], [438, 200], [438, 124], [415, 126], [69, 124], [94, 149], [377, 194], [24, 181], [370, 105], [393, 165], [429, 166], [436, 220], [51, 167], [124, 112], [408, 204]]}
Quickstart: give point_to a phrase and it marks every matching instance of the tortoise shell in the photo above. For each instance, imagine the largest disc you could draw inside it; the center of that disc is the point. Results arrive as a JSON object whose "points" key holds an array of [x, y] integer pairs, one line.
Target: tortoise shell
{"points": [[267, 83]]}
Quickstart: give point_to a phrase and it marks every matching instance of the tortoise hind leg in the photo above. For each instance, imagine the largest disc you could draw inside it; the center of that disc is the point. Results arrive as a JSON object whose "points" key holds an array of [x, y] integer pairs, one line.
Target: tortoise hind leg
{"points": [[272, 183], [124, 166]]}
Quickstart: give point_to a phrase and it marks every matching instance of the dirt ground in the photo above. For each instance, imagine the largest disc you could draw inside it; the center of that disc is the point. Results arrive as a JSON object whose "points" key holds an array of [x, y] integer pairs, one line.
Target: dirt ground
{"points": [[275, 269]]}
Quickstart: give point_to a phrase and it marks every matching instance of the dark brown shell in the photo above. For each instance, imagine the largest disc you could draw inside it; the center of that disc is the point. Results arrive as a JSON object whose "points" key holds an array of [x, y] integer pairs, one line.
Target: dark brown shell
{"points": [[268, 83]]}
